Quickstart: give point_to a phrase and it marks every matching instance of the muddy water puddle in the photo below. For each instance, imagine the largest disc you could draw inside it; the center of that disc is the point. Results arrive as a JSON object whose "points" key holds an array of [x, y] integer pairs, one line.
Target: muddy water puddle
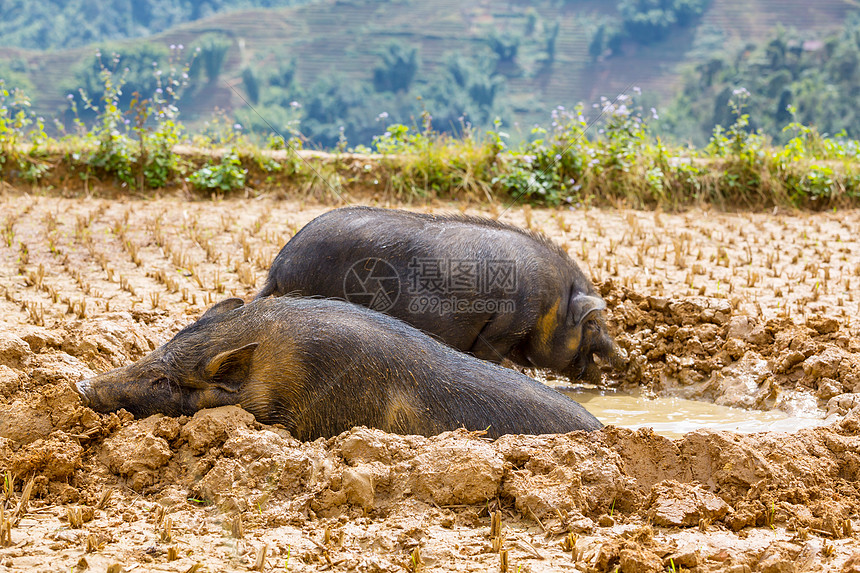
{"points": [[674, 417]]}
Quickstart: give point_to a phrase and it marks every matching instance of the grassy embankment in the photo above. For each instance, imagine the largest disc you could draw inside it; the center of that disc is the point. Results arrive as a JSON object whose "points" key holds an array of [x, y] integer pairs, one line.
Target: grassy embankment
{"points": [[614, 161]]}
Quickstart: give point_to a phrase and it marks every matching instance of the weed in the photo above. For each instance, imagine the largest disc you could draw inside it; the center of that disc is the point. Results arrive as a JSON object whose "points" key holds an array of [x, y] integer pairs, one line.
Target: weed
{"points": [[228, 175]]}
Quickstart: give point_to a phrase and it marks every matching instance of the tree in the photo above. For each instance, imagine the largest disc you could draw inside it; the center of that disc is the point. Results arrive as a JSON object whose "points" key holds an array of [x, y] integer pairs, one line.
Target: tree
{"points": [[551, 32], [397, 69], [597, 45], [504, 45], [211, 51], [649, 21], [251, 84]]}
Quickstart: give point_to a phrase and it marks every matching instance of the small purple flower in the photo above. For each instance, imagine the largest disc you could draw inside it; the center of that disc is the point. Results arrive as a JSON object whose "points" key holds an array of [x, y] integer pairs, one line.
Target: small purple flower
{"points": [[237, 126], [159, 91], [637, 90], [172, 46], [70, 96], [181, 47], [654, 113], [295, 105]]}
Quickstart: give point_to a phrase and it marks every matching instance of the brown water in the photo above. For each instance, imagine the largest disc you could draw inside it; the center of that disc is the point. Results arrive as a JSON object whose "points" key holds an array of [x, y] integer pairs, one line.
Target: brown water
{"points": [[673, 417]]}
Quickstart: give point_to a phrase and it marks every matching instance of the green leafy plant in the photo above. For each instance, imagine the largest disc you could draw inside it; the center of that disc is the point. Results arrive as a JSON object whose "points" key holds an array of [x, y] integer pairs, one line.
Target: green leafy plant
{"points": [[228, 175]]}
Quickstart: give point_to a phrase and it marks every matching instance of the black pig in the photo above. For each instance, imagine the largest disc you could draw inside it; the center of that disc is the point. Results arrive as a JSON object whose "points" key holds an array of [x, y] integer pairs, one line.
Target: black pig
{"points": [[320, 367], [483, 287]]}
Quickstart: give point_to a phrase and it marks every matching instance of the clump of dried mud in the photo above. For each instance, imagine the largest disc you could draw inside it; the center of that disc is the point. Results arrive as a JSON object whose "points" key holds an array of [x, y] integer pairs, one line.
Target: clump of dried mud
{"points": [[219, 491], [700, 348]]}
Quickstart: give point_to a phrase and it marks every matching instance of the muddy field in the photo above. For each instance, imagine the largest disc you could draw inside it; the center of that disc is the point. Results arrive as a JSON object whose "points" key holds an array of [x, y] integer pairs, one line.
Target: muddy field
{"points": [[755, 311]]}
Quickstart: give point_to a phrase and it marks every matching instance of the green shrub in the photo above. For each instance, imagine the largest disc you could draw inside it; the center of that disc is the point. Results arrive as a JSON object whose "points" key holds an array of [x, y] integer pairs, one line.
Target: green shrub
{"points": [[228, 175]]}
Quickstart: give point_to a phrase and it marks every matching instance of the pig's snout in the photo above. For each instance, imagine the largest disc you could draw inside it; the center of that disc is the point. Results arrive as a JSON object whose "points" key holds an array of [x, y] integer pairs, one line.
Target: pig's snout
{"points": [[618, 357], [82, 387]]}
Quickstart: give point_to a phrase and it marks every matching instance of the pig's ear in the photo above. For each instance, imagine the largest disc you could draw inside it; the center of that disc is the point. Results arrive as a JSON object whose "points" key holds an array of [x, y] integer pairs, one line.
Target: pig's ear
{"points": [[229, 369], [582, 306], [222, 307]]}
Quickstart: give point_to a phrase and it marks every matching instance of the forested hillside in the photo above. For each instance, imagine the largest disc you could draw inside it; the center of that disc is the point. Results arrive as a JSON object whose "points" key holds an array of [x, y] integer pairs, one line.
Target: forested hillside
{"points": [[50, 24], [788, 77], [339, 72]]}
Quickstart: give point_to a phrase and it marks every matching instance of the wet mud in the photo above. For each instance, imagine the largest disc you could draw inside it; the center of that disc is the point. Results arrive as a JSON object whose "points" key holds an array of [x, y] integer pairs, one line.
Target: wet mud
{"points": [[752, 311]]}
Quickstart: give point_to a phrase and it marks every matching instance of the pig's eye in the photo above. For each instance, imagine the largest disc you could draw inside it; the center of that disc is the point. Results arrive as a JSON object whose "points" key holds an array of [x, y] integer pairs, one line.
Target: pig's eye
{"points": [[159, 383]]}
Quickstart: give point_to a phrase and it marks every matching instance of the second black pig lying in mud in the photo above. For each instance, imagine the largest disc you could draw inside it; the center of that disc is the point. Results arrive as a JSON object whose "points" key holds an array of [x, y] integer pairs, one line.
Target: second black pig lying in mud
{"points": [[321, 367]]}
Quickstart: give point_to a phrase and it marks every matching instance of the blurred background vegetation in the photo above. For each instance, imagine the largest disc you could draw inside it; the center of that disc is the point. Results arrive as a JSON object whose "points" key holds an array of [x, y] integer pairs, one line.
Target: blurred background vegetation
{"points": [[338, 72]]}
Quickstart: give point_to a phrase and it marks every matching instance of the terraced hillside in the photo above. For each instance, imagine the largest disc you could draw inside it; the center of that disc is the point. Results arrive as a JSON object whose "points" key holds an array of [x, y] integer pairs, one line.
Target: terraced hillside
{"points": [[347, 35]]}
